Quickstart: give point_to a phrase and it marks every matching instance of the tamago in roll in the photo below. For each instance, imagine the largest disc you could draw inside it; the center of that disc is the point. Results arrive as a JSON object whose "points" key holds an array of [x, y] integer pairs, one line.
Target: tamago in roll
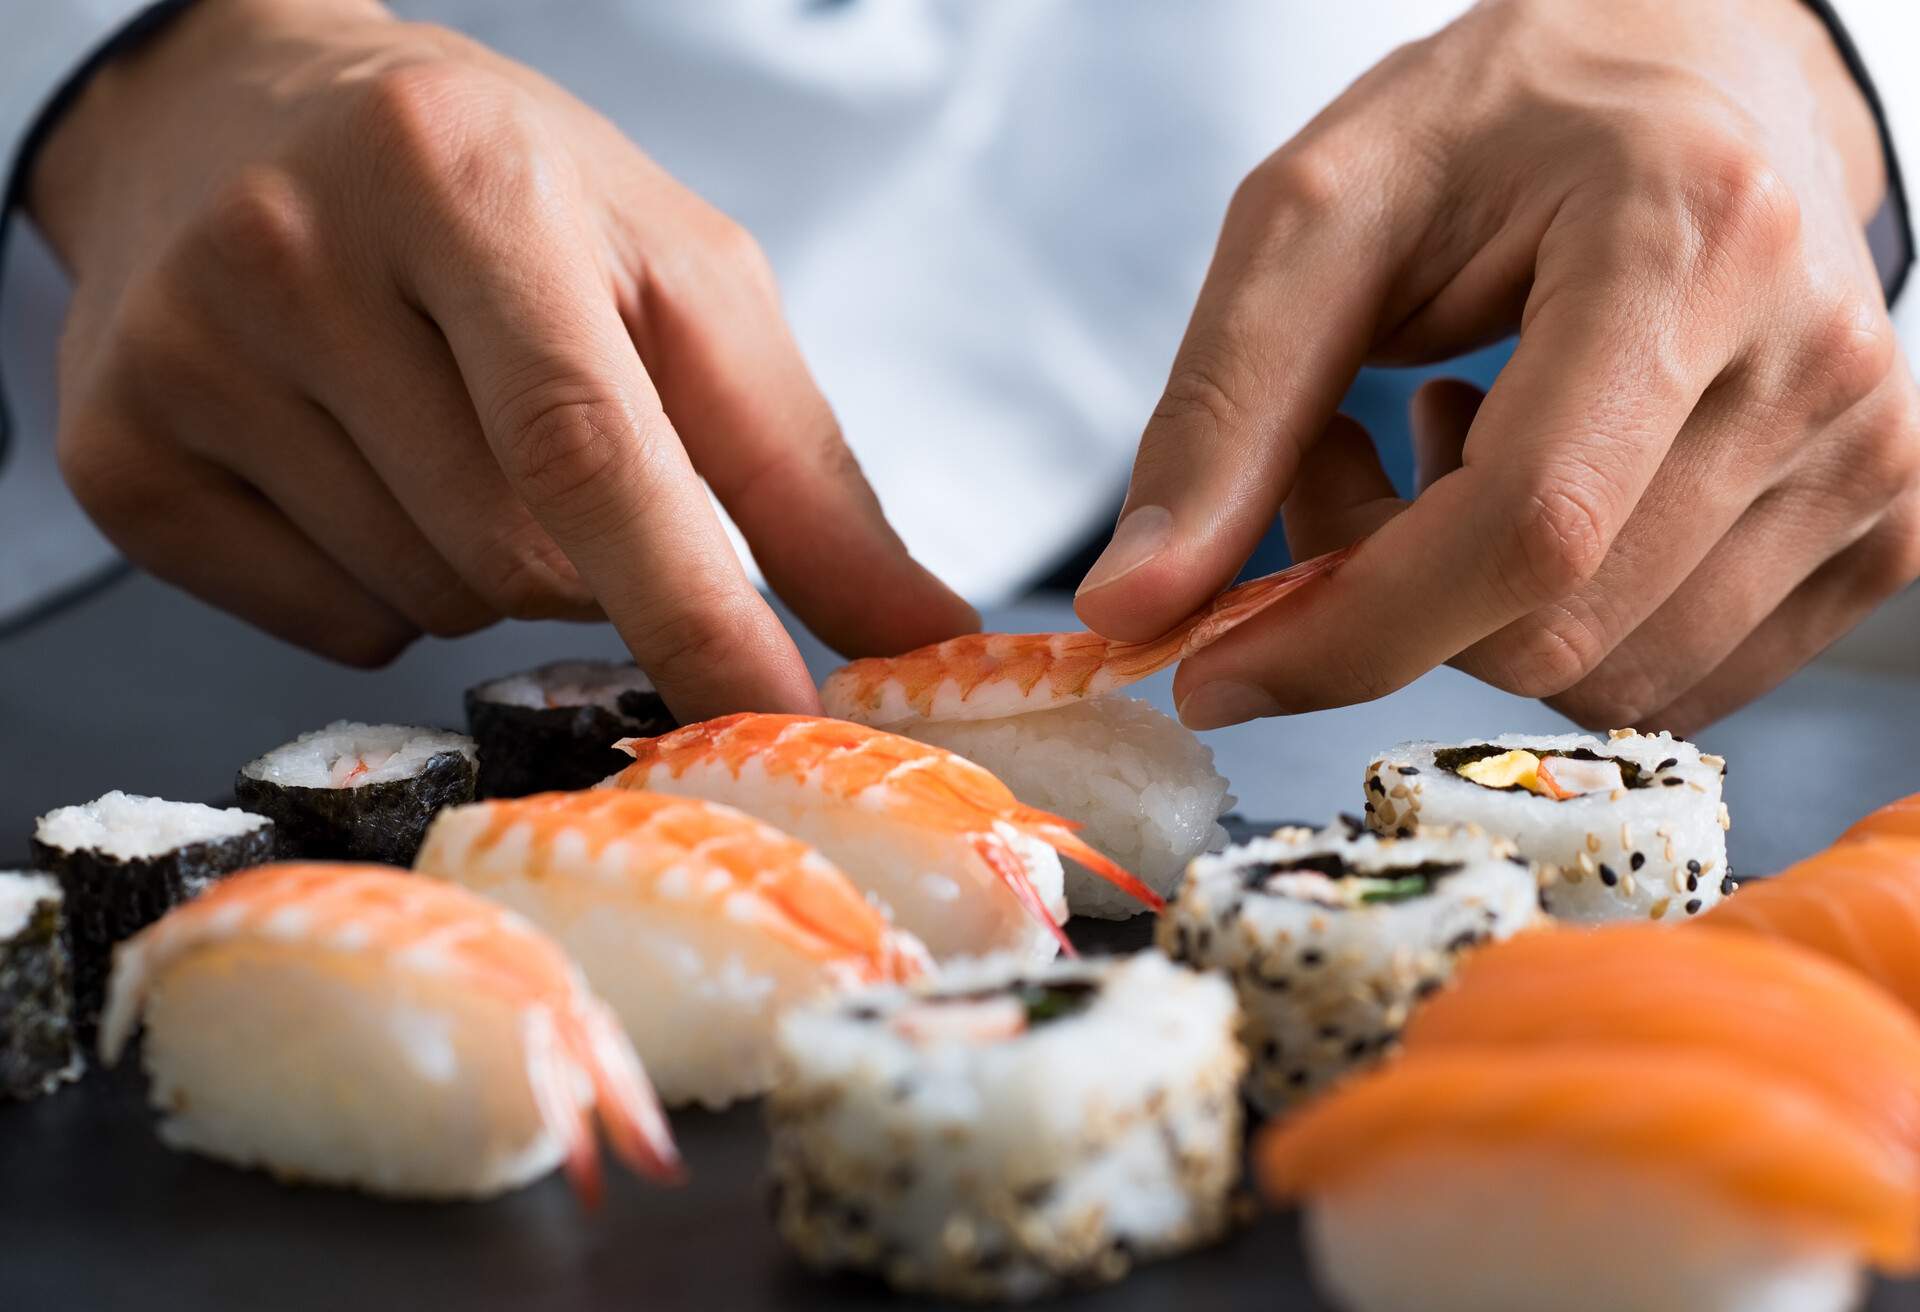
{"points": [[698, 924], [1632, 825], [1332, 937], [1004, 1132]]}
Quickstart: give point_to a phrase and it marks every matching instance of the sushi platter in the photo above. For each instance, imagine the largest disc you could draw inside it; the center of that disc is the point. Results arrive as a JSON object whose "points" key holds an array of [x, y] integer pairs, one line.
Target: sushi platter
{"points": [[974, 988]]}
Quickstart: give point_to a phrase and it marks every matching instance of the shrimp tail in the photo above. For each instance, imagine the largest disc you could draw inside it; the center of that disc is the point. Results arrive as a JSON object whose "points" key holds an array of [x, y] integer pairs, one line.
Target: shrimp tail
{"points": [[629, 1112], [1006, 863], [1067, 843], [550, 1076]]}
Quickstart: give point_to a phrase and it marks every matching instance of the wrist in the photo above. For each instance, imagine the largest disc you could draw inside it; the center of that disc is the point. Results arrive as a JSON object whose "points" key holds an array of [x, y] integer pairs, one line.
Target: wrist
{"points": [[1843, 117], [86, 166]]}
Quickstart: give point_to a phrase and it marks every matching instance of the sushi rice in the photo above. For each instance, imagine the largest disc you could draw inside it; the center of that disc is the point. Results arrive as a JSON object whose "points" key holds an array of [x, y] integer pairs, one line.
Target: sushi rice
{"points": [[1654, 847], [359, 792], [1008, 1131], [1139, 782], [1331, 937]]}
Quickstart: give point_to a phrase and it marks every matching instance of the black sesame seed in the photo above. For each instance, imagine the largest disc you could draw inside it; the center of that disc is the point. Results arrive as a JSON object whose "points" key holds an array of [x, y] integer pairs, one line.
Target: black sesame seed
{"points": [[1409, 769], [1369, 808], [1357, 1049], [1311, 957], [1609, 876], [1426, 988], [1637, 860], [1693, 883], [1671, 782], [1270, 1051], [1726, 885], [1465, 939], [1374, 785], [1519, 860], [1693, 867], [1329, 1031], [864, 1013], [1693, 906], [1667, 764], [1403, 832], [1297, 1078]]}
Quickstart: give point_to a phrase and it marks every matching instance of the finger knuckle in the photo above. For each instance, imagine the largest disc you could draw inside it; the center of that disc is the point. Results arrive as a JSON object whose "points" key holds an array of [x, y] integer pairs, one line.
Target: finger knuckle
{"points": [[1304, 178], [96, 469], [523, 580], [1848, 350], [438, 123], [1204, 389], [1608, 699], [260, 225], [1540, 656], [562, 444], [686, 643], [1555, 543], [363, 646], [734, 253], [1737, 208]]}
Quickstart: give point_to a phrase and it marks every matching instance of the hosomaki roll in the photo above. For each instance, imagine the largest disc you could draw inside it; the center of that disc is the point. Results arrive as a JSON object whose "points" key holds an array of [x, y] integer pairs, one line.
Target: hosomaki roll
{"points": [[359, 792], [123, 861], [1008, 1131], [553, 728], [1588, 1179], [37, 1050], [1631, 826], [1332, 936], [698, 924]]}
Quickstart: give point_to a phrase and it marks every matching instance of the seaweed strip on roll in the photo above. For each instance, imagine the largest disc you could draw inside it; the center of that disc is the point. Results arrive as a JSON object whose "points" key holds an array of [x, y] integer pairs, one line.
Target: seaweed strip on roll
{"points": [[359, 792], [124, 860], [1008, 1130], [1632, 825], [1332, 936], [552, 728], [37, 1051]]}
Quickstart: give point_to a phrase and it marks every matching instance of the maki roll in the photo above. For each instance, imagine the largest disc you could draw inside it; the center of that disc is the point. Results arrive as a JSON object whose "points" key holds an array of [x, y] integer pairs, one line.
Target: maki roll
{"points": [[359, 792], [1632, 826], [1331, 938], [37, 1051], [123, 861], [553, 728], [1002, 1132]]}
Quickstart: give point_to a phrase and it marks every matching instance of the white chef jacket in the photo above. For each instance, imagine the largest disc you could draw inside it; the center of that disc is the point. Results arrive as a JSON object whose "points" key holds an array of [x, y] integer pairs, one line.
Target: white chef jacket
{"points": [[989, 218]]}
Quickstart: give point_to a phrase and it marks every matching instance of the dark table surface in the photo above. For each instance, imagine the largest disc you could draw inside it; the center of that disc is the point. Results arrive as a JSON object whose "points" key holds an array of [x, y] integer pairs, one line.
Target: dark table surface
{"points": [[144, 690]]}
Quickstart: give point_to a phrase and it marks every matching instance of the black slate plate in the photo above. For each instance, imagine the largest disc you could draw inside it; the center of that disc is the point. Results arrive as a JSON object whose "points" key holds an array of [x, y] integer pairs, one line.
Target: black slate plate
{"points": [[95, 1214]]}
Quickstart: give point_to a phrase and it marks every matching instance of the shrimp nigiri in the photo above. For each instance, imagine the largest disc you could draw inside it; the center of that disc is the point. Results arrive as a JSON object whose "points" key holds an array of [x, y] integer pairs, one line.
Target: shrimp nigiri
{"points": [[1790, 1014], [941, 843], [1857, 902], [677, 898], [358, 1025], [1043, 712], [1586, 1179]]}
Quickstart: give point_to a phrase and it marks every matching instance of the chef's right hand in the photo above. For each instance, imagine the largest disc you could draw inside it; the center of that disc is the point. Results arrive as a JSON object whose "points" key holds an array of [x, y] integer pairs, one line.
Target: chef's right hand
{"points": [[376, 333]]}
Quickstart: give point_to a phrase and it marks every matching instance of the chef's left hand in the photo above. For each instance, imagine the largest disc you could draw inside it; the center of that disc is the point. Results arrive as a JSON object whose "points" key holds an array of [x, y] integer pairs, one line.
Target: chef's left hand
{"points": [[1702, 463]]}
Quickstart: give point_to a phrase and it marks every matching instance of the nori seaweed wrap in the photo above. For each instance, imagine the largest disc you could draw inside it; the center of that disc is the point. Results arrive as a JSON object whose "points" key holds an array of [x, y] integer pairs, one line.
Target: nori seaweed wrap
{"points": [[123, 861], [552, 729], [36, 995], [359, 792]]}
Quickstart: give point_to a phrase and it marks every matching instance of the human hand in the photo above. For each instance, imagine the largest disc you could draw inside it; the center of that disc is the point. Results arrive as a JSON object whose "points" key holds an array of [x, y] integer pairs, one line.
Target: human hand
{"points": [[376, 333], [1702, 463]]}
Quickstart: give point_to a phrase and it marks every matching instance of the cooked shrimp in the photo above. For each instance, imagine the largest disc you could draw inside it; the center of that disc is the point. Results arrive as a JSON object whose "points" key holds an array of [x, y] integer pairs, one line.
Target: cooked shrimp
{"points": [[983, 676], [942, 843], [337, 922], [677, 897]]}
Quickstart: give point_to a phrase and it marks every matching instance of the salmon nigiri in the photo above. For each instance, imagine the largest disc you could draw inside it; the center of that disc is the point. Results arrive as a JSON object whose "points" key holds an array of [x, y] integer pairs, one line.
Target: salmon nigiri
{"points": [[1789, 1013], [698, 924], [1588, 1179], [1899, 819], [943, 844], [359, 1025], [1857, 902]]}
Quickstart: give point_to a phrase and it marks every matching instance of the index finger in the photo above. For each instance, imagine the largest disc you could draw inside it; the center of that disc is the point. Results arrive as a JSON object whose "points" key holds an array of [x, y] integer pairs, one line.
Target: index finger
{"points": [[578, 428], [1559, 454]]}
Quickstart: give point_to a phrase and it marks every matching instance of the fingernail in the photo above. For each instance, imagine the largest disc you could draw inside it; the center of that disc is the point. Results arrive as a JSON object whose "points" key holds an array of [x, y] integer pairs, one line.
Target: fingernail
{"points": [[1140, 535], [1223, 702]]}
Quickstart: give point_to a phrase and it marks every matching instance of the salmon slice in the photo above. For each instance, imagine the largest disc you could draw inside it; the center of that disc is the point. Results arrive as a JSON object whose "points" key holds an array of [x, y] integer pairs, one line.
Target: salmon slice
{"points": [[1785, 1012], [1695, 1119], [1899, 819], [1858, 903]]}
